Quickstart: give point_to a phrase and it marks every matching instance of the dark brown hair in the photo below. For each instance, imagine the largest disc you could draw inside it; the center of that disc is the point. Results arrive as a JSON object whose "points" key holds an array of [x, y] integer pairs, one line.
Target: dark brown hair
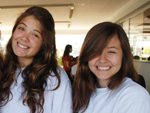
{"points": [[85, 81], [35, 75], [66, 51], [1, 61]]}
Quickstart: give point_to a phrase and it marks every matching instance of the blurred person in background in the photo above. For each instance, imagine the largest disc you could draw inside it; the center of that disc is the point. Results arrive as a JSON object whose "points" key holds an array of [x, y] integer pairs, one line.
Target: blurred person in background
{"points": [[66, 59]]}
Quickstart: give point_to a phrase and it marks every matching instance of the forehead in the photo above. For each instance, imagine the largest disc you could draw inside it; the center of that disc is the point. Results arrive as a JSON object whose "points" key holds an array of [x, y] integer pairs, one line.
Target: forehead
{"points": [[114, 41], [31, 21], [108, 41]]}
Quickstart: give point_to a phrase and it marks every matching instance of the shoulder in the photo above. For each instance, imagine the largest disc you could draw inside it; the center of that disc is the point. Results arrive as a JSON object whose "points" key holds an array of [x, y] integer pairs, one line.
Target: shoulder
{"points": [[131, 90], [62, 74], [129, 84], [132, 98]]}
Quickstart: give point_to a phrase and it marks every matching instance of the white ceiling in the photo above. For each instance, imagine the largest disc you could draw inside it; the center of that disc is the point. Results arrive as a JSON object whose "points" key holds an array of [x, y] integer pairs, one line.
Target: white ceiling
{"points": [[86, 13]]}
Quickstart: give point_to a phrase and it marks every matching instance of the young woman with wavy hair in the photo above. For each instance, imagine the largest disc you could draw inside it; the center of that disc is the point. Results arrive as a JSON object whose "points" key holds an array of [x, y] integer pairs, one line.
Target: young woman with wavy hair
{"points": [[31, 81], [105, 81]]}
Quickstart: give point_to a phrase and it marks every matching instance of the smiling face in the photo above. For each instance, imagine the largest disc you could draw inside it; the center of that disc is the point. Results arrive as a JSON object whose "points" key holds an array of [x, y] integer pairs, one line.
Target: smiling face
{"points": [[108, 63], [27, 39]]}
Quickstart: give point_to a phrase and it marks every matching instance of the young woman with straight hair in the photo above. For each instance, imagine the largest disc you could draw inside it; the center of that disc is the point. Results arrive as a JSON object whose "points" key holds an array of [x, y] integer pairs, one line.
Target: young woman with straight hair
{"points": [[105, 81]]}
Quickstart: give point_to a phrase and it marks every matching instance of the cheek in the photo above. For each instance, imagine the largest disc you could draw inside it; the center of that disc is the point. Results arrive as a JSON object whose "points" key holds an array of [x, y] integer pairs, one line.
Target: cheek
{"points": [[91, 63], [13, 37], [13, 41], [118, 61], [37, 44], [15, 34]]}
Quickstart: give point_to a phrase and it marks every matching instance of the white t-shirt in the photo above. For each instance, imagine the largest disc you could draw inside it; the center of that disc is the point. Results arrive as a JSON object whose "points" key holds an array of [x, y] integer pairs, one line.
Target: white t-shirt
{"points": [[57, 101], [130, 97], [74, 69]]}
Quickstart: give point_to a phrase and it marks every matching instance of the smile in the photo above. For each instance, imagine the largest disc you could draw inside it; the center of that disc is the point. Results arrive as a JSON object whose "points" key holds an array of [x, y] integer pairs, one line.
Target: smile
{"points": [[103, 68], [24, 47]]}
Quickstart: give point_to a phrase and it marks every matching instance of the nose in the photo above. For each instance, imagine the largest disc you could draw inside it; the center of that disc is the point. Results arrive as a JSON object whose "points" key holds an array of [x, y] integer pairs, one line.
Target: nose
{"points": [[103, 58], [25, 37]]}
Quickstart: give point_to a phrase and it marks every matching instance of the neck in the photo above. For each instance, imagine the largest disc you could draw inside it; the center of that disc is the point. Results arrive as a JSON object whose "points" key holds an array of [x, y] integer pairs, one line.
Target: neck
{"points": [[102, 83], [24, 62]]}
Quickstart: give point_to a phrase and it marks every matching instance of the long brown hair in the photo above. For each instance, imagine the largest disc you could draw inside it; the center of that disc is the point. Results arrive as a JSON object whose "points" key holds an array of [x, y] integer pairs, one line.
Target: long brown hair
{"points": [[1, 62], [35, 75], [85, 81], [66, 51]]}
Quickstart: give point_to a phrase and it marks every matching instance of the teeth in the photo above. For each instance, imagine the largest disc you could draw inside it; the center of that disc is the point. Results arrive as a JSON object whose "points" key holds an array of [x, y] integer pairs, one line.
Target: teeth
{"points": [[22, 46], [103, 68]]}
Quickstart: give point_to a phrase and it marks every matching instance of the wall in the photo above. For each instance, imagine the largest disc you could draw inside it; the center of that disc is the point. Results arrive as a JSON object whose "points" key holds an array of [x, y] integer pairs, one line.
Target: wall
{"points": [[143, 68]]}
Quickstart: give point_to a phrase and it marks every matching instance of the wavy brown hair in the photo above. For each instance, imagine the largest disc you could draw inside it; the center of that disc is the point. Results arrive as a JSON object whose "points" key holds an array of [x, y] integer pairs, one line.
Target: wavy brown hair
{"points": [[1, 63], [1, 68], [35, 75], [85, 81]]}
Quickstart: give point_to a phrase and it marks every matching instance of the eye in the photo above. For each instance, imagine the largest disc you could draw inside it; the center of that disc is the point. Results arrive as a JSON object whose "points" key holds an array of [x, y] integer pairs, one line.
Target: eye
{"points": [[111, 52], [35, 35], [21, 28]]}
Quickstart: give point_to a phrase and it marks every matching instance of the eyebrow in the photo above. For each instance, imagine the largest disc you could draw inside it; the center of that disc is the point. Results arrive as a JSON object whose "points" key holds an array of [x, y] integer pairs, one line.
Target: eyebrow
{"points": [[112, 47], [33, 29]]}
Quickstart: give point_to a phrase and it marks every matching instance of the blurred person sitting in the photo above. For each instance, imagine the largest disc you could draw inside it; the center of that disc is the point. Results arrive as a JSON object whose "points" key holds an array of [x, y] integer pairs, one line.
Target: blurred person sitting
{"points": [[136, 57], [141, 81]]}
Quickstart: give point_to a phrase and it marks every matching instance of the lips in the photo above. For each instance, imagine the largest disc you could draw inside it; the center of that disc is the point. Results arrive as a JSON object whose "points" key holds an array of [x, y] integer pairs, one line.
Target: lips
{"points": [[103, 68], [22, 46]]}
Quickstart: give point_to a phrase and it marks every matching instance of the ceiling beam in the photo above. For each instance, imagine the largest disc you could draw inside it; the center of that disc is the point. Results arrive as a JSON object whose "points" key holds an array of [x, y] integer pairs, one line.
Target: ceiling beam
{"points": [[42, 5], [71, 11]]}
